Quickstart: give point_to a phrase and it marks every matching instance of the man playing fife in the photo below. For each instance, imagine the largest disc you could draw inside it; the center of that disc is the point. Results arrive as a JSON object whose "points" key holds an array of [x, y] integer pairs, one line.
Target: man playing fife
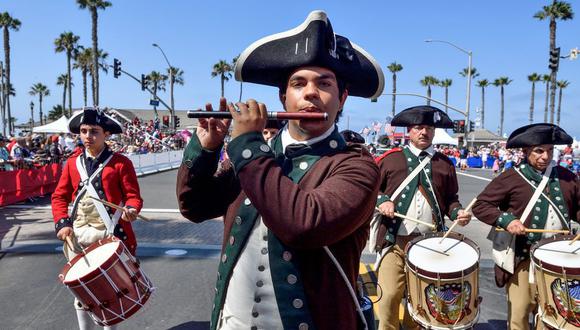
{"points": [[503, 201], [427, 196], [284, 201]]}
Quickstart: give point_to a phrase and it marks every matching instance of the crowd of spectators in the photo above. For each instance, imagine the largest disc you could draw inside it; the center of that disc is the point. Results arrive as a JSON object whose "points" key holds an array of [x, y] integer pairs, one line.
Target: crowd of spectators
{"points": [[32, 150]]}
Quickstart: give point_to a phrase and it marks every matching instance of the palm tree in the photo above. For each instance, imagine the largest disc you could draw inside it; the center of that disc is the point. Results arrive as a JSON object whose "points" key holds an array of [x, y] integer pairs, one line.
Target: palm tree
{"points": [[56, 112], [63, 80], [483, 83], [558, 10], [93, 6], [429, 81], [156, 82], [446, 83], [501, 82], [222, 69], [474, 73], [83, 62], [67, 42], [176, 75], [8, 23], [561, 84], [394, 68], [533, 78], [40, 90], [546, 78]]}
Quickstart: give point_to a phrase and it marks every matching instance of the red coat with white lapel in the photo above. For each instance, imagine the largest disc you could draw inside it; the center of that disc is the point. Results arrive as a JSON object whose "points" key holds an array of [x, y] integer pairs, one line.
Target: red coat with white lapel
{"points": [[119, 182]]}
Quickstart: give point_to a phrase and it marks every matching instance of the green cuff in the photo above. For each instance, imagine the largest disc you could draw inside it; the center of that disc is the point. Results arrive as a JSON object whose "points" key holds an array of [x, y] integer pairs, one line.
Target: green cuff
{"points": [[199, 160], [246, 148], [505, 219], [454, 212], [382, 198]]}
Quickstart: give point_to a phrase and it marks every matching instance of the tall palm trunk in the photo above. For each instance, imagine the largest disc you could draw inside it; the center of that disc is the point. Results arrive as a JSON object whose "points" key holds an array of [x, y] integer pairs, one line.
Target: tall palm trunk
{"points": [[429, 94], [84, 73], [532, 102], [394, 93], [95, 66], [155, 98], [446, 99], [223, 79], [547, 98], [7, 85], [559, 107], [40, 107], [3, 99], [241, 86], [483, 107], [501, 115], [554, 71], [68, 82], [64, 98]]}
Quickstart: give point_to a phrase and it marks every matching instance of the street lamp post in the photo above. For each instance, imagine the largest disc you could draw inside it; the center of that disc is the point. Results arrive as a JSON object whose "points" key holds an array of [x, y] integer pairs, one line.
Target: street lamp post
{"points": [[467, 98], [31, 116], [171, 81]]}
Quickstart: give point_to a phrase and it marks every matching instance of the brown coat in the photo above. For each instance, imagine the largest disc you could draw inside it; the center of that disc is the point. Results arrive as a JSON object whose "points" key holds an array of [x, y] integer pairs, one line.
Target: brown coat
{"points": [[331, 205], [394, 170], [509, 192]]}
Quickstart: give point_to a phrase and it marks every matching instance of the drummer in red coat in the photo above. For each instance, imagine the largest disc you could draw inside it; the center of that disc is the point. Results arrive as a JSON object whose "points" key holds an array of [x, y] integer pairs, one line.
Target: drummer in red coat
{"points": [[503, 202], [95, 171], [428, 194]]}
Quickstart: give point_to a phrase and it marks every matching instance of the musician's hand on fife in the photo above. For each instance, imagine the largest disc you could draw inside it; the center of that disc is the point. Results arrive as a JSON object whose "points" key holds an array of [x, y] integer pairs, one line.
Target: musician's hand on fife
{"points": [[64, 232], [387, 209], [252, 117], [211, 132], [463, 217], [129, 214], [516, 228]]}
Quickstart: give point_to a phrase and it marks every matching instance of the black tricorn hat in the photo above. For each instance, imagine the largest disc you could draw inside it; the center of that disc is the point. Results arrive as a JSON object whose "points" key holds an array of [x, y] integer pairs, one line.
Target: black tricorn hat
{"points": [[271, 60], [94, 116], [537, 134], [422, 115]]}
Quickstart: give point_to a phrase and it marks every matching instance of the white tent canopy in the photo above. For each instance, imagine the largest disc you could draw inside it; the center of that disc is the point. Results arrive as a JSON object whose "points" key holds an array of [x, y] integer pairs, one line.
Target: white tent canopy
{"points": [[57, 126], [441, 137]]}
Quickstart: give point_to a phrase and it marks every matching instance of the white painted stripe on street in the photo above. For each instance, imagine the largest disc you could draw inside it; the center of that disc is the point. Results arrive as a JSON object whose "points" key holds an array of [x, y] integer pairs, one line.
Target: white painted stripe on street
{"points": [[26, 207], [474, 176]]}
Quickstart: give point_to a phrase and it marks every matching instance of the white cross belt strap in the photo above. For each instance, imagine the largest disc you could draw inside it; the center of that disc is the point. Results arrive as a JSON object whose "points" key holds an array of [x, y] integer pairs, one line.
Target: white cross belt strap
{"points": [[90, 189], [376, 220]]}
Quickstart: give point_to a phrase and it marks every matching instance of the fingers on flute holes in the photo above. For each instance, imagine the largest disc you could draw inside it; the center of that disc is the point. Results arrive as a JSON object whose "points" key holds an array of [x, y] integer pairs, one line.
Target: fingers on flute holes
{"points": [[208, 107], [223, 104], [232, 109]]}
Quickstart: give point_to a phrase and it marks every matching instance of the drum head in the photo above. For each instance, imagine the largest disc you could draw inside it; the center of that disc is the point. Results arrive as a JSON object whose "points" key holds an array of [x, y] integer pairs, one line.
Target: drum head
{"points": [[559, 254], [92, 260], [450, 256]]}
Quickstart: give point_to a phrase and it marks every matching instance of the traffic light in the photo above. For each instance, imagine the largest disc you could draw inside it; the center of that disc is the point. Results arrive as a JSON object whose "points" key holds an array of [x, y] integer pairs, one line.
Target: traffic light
{"points": [[459, 126], [554, 59], [176, 121], [116, 68], [165, 121], [471, 126], [144, 82]]}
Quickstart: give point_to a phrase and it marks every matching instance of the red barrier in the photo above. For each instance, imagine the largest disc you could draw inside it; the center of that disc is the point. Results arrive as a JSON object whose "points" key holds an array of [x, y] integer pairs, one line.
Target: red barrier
{"points": [[16, 186]]}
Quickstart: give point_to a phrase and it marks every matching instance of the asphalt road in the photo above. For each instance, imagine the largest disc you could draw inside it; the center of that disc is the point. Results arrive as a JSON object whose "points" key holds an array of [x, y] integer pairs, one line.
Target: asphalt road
{"points": [[179, 257]]}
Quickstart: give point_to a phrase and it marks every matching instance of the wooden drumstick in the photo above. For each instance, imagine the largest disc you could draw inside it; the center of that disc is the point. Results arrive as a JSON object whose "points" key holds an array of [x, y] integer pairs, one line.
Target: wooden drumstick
{"points": [[575, 239], [69, 243], [469, 206], [414, 220], [117, 207], [530, 230]]}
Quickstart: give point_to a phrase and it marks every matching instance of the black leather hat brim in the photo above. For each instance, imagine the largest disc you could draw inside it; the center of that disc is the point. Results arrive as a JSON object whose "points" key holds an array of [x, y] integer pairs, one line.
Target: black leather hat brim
{"points": [[538, 134], [270, 60]]}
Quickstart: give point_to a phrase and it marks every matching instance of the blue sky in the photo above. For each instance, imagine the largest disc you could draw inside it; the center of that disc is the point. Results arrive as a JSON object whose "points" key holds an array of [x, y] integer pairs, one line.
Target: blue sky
{"points": [[504, 37]]}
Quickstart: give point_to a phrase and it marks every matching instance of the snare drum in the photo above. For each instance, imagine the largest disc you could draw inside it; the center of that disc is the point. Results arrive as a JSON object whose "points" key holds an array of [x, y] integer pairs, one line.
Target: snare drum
{"points": [[557, 274], [108, 281], [442, 281]]}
